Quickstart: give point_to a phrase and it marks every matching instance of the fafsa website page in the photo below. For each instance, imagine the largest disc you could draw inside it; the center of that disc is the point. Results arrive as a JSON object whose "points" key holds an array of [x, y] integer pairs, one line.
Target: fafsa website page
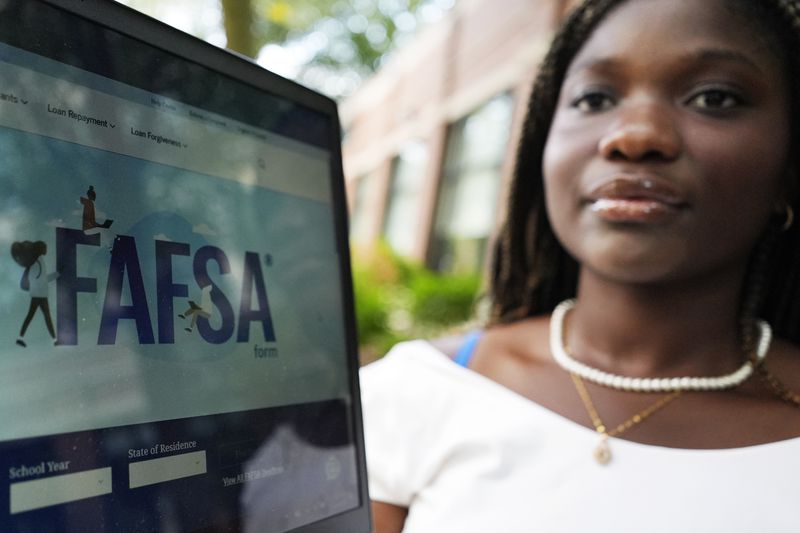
{"points": [[162, 263]]}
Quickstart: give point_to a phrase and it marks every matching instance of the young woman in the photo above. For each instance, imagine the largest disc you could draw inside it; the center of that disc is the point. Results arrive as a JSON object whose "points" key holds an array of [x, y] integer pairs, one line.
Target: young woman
{"points": [[36, 281], [638, 368]]}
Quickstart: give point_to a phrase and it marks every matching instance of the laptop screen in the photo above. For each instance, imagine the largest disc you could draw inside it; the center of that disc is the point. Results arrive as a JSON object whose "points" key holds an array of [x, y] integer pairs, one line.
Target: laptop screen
{"points": [[176, 317]]}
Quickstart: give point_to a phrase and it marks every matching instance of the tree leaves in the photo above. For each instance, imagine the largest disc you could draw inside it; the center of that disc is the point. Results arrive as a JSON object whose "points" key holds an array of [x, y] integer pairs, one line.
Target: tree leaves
{"points": [[357, 34]]}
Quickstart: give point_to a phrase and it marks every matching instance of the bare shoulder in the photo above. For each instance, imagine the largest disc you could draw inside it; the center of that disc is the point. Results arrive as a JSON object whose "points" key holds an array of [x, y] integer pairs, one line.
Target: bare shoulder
{"points": [[521, 343], [525, 338], [450, 344]]}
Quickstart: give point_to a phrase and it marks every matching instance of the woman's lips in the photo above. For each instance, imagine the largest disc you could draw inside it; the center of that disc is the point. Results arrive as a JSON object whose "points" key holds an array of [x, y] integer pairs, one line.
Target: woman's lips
{"points": [[636, 200], [632, 210]]}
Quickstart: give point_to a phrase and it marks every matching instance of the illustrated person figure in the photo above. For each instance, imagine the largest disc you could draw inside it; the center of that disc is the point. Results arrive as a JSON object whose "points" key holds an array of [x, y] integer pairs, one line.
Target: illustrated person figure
{"points": [[202, 310], [89, 223], [639, 367], [35, 280]]}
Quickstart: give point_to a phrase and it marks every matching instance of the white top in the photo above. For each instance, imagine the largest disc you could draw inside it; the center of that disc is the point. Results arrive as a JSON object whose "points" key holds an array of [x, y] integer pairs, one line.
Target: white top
{"points": [[468, 455], [39, 279]]}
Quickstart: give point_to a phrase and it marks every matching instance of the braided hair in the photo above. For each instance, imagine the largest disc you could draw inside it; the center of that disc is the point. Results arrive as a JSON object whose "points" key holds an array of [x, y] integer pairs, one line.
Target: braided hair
{"points": [[532, 272]]}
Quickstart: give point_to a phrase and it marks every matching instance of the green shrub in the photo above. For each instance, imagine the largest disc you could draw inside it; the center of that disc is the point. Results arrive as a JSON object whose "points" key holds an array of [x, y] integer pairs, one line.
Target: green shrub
{"points": [[398, 300], [444, 300]]}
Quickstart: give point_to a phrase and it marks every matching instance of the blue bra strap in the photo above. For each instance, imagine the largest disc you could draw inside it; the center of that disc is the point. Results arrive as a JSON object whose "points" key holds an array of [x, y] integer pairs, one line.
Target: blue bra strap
{"points": [[467, 349]]}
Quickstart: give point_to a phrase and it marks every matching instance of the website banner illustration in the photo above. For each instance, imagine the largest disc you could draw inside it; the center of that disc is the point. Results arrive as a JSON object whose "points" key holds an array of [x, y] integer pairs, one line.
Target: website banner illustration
{"points": [[133, 291]]}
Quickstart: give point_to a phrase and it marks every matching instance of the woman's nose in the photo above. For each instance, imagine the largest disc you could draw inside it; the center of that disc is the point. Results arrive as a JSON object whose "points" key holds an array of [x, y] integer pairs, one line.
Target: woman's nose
{"points": [[642, 132]]}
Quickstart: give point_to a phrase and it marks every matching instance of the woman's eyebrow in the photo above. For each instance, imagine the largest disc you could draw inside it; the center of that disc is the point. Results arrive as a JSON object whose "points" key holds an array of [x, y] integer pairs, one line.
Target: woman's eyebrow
{"points": [[725, 55], [596, 64], [610, 64]]}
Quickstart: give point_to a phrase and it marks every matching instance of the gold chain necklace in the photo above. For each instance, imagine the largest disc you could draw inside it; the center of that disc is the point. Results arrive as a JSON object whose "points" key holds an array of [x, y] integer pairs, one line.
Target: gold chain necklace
{"points": [[777, 387], [602, 453]]}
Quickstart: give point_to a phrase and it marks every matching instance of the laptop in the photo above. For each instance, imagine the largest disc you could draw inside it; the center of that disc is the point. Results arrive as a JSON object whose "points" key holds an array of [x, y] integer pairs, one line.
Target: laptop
{"points": [[191, 367]]}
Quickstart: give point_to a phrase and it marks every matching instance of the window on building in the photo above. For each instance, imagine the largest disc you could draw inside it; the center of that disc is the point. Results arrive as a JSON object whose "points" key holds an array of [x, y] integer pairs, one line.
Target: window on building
{"points": [[359, 215], [467, 202], [402, 207]]}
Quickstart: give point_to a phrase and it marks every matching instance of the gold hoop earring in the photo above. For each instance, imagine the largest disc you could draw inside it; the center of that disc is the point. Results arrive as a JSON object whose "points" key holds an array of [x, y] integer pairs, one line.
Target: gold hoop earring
{"points": [[789, 218]]}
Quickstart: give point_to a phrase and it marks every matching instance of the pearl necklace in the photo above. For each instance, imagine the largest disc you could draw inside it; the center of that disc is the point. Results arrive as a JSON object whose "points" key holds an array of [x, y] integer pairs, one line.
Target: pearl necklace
{"points": [[616, 381]]}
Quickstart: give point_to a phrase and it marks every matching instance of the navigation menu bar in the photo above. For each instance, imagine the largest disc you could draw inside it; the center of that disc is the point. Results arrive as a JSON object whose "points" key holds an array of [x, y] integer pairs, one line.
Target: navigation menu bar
{"points": [[40, 104]]}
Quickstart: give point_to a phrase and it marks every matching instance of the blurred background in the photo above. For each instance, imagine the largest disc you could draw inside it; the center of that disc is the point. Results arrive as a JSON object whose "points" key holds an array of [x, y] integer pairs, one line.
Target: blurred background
{"points": [[432, 95]]}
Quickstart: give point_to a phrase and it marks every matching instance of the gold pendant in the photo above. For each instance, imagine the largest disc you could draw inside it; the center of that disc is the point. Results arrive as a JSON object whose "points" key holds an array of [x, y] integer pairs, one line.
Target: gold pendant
{"points": [[602, 454]]}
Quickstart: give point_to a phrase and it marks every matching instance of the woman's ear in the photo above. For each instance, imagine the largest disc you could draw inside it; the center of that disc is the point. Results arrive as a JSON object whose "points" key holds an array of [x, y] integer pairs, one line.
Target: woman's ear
{"points": [[791, 186], [783, 212]]}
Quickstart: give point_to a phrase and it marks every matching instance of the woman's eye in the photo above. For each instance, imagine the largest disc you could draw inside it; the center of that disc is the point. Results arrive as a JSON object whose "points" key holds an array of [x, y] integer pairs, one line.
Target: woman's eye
{"points": [[592, 102], [715, 99]]}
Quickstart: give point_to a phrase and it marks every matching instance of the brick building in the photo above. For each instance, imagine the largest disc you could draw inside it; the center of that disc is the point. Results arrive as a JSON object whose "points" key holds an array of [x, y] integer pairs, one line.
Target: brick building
{"points": [[429, 143]]}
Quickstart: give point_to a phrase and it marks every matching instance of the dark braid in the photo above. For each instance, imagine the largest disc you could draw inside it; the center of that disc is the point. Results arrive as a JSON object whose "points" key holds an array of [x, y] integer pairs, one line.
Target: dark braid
{"points": [[533, 272]]}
